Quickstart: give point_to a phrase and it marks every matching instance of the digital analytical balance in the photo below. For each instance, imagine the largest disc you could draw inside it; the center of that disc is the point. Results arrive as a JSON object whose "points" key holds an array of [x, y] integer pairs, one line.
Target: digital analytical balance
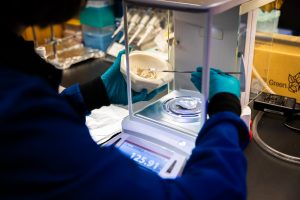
{"points": [[160, 135]]}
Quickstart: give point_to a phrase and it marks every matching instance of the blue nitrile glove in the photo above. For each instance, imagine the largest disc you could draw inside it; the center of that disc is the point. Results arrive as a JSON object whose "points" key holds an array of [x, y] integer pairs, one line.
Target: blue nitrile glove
{"points": [[219, 82], [116, 86]]}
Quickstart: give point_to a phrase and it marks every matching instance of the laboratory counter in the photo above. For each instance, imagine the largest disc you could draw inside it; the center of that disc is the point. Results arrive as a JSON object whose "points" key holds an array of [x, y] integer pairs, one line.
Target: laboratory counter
{"points": [[268, 177]]}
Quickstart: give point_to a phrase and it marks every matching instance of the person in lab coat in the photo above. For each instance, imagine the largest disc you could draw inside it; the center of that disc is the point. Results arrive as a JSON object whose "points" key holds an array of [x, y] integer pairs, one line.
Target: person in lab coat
{"points": [[46, 151]]}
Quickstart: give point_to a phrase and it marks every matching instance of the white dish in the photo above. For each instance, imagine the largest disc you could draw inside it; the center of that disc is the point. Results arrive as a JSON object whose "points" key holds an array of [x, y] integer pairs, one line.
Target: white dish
{"points": [[140, 60]]}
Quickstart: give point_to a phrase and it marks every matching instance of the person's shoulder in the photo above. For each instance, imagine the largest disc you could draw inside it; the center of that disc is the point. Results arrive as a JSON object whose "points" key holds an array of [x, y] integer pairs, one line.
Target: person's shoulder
{"points": [[31, 99], [19, 91], [14, 83]]}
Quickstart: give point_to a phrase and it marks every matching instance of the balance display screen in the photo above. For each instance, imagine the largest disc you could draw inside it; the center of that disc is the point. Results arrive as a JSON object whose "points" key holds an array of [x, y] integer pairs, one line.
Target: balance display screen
{"points": [[144, 157]]}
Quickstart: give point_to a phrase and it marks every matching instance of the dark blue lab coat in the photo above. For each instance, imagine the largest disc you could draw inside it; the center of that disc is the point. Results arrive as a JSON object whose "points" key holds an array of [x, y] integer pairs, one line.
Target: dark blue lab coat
{"points": [[46, 151]]}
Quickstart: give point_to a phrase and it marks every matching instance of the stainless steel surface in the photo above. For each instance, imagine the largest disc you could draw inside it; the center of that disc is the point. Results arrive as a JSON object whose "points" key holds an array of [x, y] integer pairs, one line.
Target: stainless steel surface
{"points": [[215, 6], [64, 58], [164, 114]]}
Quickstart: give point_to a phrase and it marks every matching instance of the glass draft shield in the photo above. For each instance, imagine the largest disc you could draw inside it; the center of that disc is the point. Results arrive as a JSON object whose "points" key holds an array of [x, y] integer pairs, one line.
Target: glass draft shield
{"points": [[164, 44]]}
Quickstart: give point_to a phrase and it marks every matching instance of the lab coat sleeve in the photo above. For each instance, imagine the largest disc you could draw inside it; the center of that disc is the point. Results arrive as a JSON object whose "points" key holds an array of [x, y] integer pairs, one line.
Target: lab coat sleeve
{"points": [[50, 155], [86, 97], [216, 169]]}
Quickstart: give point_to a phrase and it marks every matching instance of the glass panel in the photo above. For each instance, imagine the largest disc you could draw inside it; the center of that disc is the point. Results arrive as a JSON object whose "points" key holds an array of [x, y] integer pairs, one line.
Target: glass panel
{"points": [[277, 54], [149, 33], [267, 29], [176, 41]]}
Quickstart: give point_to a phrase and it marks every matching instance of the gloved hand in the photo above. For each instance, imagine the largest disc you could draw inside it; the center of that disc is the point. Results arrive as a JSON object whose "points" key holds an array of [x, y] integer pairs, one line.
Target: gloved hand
{"points": [[116, 86], [219, 82]]}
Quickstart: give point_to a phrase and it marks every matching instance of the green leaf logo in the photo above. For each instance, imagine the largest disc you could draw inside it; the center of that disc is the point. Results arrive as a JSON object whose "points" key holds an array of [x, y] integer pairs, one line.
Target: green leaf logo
{"points": [[294, 83]]}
